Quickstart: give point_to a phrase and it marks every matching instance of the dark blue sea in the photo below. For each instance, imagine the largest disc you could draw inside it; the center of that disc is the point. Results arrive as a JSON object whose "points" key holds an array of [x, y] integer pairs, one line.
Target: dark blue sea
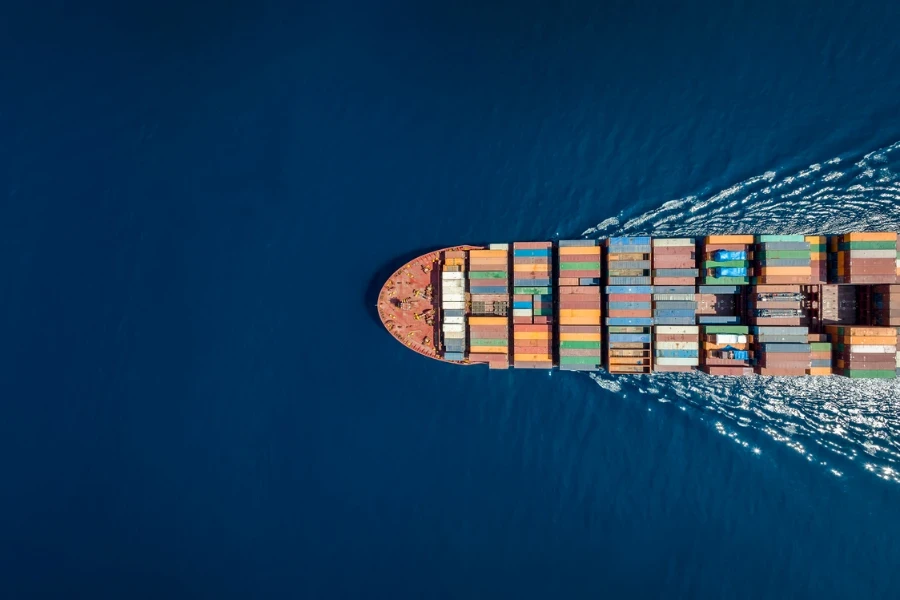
{"points": [[201, 200]]}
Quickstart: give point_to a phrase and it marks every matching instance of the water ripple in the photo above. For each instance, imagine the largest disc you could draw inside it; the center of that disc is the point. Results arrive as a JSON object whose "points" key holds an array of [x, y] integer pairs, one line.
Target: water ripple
{"points": [[845, 426]]}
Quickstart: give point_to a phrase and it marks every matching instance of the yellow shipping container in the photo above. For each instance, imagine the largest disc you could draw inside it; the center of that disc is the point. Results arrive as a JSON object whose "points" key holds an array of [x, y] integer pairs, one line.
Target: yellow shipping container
{"points": [[579, 250], [815, 239], [729, 239], [488, 320], [580, 337], [488, 349], [579, 320], [630, 256], [531, 335], [862, 330], [534, 268], [785, 271], [871, 236], [580, 312], [533, 357], [819, 371], [488, 253]]}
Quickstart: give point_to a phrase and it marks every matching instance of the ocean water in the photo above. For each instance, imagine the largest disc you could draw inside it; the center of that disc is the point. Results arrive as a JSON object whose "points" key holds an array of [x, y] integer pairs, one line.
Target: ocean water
{"points": [[201, 201]]}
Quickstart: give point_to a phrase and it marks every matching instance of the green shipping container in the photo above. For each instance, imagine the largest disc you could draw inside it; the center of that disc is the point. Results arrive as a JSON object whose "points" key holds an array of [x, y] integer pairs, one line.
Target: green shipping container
{"points": [[874, 374], [726, 281], [868, 246], [820, 346], [487, 274], [579, 360], [543, 312], [580, 345], [579, 266], [712, 264], [782, 254], [488, 342], [726, 329], [780, 238], [531, 290]]}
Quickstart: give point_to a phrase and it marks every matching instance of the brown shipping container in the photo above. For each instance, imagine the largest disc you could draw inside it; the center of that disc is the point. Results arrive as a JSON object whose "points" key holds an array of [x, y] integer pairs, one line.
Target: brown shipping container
{"points": [[710, 360], [531, 245], [612, 258], [573, 258], [522, 320], [674, 280], [564, 304], [775, 289], [674, 263], [535, 328], [733, 371], [519, 364], [585, 274], [580, 291], [673, 250], [580, 329], [567, 281], [531, 260], [542, 320], [626, 346]]}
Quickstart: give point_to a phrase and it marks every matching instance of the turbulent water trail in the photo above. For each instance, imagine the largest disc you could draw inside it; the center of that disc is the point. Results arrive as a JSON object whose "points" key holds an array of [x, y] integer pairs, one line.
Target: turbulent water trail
{"points": [[845, 426]]}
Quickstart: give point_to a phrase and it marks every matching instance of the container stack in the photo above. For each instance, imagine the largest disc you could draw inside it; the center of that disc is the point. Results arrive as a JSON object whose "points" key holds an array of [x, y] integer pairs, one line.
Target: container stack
{"points": [[675, 261], [820, 354], [489, 306], [777, 305], [629, 327], [726, 350], [863, 352], [818, 258], [782, 351], [533, 308], [580, 309], [838, 304], [886, 305], [783, 259], [865, 258], [489, 341], [719, 305], [453, 305], [676, 348], [628, 261], [727, 259]]}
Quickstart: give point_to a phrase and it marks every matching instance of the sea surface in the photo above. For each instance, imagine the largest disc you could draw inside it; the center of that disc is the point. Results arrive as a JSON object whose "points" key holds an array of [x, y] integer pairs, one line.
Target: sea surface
{"points": [[201, 200]]}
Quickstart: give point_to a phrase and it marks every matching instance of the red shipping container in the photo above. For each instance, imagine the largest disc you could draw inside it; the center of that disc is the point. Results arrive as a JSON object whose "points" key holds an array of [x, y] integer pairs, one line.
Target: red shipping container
{"points": [[584, 290], [522, 320], [674, 280], [541, 320]]}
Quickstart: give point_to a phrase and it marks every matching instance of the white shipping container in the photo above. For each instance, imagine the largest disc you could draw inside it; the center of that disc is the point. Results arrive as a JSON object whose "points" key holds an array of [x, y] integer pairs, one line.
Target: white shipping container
{"points": [[678, 329], [453, 297], [455, 335], [453, 327], [453, 305], [673, 242], [677, 345], [455, 320], [499, 247], [522, 312], [447, 275], [873, 254], [679, 362], [678, 297], [729, 338], [873, 349], [898, 360]]}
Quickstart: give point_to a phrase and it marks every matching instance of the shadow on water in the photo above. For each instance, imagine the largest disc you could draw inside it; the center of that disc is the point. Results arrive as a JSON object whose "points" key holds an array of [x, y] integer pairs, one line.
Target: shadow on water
{"points": [[386, 270]]}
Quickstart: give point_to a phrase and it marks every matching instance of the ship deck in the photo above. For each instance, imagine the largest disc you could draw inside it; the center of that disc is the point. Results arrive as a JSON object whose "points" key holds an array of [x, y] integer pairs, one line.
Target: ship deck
{"points": [[408, 307]]}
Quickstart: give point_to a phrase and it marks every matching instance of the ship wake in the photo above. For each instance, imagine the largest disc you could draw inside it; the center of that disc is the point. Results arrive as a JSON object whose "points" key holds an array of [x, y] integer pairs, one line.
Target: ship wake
{"points": [[845, 426]]}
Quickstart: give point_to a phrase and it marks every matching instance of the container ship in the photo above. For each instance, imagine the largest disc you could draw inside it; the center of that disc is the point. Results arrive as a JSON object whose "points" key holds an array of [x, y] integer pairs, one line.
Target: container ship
{"points": [[782, 305]]}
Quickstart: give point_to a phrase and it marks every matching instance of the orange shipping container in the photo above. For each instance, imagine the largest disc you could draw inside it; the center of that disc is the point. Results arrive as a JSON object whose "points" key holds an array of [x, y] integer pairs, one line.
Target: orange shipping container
{"points": [[531, 335], [532, 357], [488, 349], [729, 239], [579, 312], [579, 320], [785, 271], [575, 250], [488, 253], [871, 236], [488, 321]]}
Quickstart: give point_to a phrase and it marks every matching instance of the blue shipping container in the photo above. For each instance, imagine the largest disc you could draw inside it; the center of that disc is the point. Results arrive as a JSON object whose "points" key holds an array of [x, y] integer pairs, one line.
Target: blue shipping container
{"points": [[678, 353], [731, 271], [488, 290], [531, 253], [522, 304], [454, 356], [683, 312], [629, 289], [629, 241], [588, 281], [723, 255], [715, 319], [629, 321], [643, 338]]}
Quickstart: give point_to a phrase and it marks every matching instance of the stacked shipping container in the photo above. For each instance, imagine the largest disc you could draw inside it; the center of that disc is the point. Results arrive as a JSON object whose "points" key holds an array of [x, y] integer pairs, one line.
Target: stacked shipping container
{"points": [[782, 350], [532, 305], [818, 258], [820, 354], [726, 350], [886, 305], [726, 259], [864, 258], [777, 305], [863, 352], [580, 333], [629, 309], [782, 259], [489, 300], [453, 305]]}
